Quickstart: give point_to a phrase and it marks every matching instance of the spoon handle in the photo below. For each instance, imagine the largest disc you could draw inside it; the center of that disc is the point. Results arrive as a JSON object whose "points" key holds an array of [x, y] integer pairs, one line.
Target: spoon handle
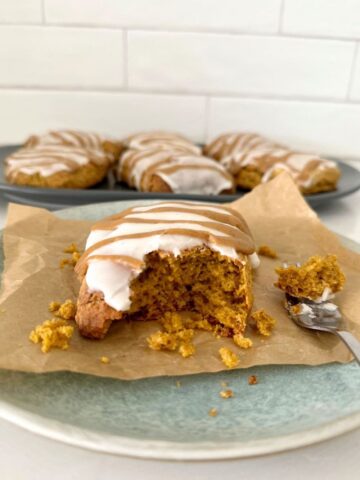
{"points": [[351, 342]]}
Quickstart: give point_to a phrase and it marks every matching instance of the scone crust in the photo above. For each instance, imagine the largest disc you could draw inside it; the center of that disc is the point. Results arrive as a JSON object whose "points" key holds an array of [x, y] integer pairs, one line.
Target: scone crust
{"points": [[84, 177]]}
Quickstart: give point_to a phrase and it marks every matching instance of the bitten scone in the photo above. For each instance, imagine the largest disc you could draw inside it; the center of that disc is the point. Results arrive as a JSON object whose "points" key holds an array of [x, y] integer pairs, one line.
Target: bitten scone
{"points": [[56, 166], [78, 139], [162, 141], [253, 159], [157, 170], [153, 261]]}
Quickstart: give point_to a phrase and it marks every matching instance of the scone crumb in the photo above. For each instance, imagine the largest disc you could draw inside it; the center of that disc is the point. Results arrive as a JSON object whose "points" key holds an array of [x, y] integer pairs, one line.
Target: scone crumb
{"points": [[178, 384], [252, 380], [71, 248], [229, 358], [263, 322], [66, 310], [54, 306], [172, 322], [296, 309], [213, 412], [185, 335], [226, 393], [187, 350], [75, 256], [63, 262], [104, 359], [162, 341], [224, 384], [266, 251], [54, 333], [242, 342]]}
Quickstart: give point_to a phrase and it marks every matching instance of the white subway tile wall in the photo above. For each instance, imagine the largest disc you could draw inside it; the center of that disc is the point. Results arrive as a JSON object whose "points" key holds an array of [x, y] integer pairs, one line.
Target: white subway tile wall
{"points": [[286, 68]]}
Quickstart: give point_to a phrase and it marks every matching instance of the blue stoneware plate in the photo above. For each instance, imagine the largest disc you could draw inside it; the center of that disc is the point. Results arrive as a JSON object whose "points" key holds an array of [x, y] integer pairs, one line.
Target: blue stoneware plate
{"points": [[110, 191], [291, 406]]}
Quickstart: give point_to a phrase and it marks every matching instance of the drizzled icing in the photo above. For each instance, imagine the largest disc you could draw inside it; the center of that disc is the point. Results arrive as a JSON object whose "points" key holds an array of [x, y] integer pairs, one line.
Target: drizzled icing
{"points": [[182, 173], [71, 138], [237, 151], [162, 141], [116, 246], [51, 159]]}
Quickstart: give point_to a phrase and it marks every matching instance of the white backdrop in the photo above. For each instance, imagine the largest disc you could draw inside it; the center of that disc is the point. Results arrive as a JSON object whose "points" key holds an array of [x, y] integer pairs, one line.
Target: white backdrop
{"points": [[286, 68]]}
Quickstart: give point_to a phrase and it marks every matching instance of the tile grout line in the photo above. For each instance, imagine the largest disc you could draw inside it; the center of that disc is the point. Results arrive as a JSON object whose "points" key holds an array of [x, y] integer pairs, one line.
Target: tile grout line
{"points": [[43, 14], [207, 110], [176, 30], [125, 59], [281, 17], [201, 94], [352, 73]]}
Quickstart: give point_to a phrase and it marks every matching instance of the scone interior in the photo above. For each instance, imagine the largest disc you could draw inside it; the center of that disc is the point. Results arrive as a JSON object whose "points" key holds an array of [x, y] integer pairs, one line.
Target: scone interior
{"points": [[318, 279], [200, 262]]}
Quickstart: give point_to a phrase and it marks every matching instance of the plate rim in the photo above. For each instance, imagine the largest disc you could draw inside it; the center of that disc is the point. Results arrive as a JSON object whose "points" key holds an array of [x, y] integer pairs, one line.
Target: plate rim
{"points": [[168, 450], [165, 450]]}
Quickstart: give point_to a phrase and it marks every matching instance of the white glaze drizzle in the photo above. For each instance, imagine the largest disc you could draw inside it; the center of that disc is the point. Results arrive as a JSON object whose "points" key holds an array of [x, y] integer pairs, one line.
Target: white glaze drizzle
{"points": [[162, 141], [182, 173], [236, 151], [51, 159]]}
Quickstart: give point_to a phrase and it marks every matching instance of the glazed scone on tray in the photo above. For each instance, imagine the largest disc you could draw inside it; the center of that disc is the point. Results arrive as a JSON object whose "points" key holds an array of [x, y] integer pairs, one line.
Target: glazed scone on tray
{"points": [[253, 159], [162, 141], [157, 170], [152, 261], [78, 139], [57, 166]]}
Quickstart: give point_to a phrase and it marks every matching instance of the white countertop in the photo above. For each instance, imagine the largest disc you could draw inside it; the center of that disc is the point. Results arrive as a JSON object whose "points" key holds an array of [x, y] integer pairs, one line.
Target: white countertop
{"points": [[24, 455]]}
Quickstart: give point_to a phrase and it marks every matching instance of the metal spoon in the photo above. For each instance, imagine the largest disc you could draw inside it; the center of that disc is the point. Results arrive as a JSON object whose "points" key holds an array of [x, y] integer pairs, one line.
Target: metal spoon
{"points": [[322, 316]]}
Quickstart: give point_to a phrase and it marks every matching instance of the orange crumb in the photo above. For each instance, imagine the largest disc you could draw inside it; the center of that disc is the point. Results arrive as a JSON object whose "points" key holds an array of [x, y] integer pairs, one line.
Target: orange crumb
{"points": [[229, 358], [104, 359], [242, 342], [224, 384], [66, 310], [187, 349], [54, 306], [263, 322], [63, 262], [75, 257], [71, 248], [213, 412], [296, 309], [178, 384], [162, 341], [54, 333], [252, 380], [266, 251], [226, 393]]}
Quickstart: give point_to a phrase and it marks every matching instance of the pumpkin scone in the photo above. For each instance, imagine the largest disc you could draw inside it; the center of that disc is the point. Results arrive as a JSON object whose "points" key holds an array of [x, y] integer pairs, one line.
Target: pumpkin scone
{"points": [[78, 139], [157, 170], [153, 262], [254, 159], [57, 166], [163, 141]]}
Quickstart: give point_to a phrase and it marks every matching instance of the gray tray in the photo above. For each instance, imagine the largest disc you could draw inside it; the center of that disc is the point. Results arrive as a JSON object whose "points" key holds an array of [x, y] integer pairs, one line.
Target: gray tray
{"points": [[109, 190]]}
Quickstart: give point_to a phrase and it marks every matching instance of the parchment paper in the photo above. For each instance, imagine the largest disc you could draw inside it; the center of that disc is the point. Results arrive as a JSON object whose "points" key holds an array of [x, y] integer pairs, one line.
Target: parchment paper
{"points": [[278, 216]]}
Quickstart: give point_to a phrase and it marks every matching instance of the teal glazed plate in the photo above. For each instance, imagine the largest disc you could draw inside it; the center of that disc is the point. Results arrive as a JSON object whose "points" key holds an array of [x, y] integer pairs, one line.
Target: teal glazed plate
{"points": [[290, 407]]}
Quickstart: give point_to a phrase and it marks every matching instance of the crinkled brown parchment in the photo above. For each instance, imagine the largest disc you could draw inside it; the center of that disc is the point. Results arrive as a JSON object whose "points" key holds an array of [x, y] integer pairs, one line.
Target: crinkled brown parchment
{"points": [[277, 215]]}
